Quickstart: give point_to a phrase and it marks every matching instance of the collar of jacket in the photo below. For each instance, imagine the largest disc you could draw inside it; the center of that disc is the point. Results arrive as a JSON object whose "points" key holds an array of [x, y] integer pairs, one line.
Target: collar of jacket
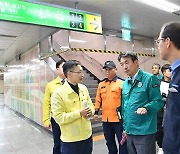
{"points": [[68, 88], [138, 77], [114, 79], [57, 80]]}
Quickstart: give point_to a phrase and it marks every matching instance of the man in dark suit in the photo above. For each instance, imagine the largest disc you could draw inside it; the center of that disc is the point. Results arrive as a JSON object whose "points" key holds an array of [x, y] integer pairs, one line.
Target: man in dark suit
{"points": [[169, 47]]}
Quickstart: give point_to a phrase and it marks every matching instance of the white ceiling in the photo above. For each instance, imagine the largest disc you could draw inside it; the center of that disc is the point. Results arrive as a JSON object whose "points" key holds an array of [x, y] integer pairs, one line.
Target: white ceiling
{"points": [[17, 38], [145, 21]]}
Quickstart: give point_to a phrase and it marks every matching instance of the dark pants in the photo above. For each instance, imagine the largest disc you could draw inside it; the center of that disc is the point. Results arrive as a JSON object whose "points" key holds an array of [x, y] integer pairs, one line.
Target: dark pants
{"points": [[110, 130], [159, 134], [141, 144], [56, 136], [78, 147]]}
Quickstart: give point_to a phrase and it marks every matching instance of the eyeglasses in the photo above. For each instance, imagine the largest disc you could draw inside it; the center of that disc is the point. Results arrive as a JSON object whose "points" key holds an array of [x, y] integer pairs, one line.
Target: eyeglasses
{"points": [[158, 41], [80, 72]]}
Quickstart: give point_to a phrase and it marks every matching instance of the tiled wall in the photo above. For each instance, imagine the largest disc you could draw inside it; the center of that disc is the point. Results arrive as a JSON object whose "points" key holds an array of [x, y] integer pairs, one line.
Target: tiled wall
{"points": [[24, 85]]}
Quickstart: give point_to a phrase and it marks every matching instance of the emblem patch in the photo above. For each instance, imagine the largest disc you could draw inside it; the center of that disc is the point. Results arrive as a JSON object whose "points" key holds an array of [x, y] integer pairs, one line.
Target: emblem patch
{"points": [[139, 84]]}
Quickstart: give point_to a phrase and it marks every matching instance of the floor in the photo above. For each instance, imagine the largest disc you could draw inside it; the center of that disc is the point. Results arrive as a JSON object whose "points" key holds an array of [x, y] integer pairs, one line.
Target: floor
{"points": [[18, 135]]}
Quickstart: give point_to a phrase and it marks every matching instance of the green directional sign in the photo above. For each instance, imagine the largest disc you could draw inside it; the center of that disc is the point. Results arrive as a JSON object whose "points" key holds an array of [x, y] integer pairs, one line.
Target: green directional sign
{"points": [[126, 34], [33, 13]]}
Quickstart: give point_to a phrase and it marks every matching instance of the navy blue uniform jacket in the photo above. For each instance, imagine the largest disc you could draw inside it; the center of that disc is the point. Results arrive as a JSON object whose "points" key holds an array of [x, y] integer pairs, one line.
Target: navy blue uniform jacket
{"points": [[171, 141]]}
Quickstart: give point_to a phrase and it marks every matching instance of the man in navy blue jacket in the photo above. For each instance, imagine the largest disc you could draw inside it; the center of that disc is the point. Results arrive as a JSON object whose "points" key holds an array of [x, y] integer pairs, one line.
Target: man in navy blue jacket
{"points": [[169, 47]]}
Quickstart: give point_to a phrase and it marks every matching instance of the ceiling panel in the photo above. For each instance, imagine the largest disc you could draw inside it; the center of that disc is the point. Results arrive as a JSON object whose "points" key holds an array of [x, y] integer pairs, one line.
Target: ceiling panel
{"points": [[11, 32], [27, 37], [13, 26], [4, 45]]}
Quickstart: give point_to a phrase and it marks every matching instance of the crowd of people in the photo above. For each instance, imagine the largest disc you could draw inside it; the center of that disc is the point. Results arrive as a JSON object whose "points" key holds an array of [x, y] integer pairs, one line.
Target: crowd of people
{"points": [[140, 110]]}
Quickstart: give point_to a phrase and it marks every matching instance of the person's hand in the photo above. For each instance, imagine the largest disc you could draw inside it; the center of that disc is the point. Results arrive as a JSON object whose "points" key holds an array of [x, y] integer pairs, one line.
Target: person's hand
{"points": [[86, 112], [124, 137], [141, 110], [48, 126], [95, 117], [124, 134]]}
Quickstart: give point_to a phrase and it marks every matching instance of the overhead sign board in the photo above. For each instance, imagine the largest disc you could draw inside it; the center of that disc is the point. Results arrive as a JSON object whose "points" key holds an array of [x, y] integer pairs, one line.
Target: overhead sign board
{"points": [[126, 28], [26, 12], [126, 34], [125, 22]]}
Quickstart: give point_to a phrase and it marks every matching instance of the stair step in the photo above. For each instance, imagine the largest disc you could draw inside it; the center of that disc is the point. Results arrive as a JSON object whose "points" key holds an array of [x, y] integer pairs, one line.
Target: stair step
{"points": [[90, 82], [92, 95], [97, 128], [88, 78], [93, 100], [86, 73], [95, 122], [92, 90], [91, 85]]}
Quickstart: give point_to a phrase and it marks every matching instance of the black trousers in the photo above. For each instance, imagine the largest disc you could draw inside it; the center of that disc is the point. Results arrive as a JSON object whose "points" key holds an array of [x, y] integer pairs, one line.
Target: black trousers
{"points": [[112, 129], [56, 136], [78, 147], [160, 132]]}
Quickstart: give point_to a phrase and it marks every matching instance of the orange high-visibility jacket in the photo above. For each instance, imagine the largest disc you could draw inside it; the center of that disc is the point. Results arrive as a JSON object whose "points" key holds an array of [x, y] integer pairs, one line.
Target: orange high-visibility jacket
{"points": [[109, 97]]}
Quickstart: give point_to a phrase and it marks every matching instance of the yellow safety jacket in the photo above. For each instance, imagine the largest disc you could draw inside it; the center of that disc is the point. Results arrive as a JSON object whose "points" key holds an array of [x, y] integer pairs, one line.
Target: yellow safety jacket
{"points": [[66, 105], [50, 88]]}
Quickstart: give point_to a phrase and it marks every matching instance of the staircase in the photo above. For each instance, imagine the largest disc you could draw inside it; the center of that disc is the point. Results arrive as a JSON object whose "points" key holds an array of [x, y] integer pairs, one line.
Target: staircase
{"points": [[92, 85]]}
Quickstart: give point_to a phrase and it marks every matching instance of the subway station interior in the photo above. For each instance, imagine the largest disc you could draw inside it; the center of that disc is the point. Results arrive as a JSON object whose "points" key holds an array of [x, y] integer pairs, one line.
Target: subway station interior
{"points": [[35, 34]]}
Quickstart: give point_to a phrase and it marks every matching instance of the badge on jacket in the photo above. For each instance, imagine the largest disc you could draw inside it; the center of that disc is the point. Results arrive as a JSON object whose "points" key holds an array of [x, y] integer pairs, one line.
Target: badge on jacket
{"points": [[139, 84], [155, 85], [103, 87]]}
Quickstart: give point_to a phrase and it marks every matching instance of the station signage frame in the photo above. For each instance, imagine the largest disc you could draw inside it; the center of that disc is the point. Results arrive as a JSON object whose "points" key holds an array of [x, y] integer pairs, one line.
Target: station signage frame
{"points": [[49, 15]]}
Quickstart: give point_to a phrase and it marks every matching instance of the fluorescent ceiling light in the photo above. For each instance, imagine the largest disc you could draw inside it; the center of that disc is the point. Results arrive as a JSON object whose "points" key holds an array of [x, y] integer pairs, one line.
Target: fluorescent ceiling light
{"points": [[112, 35], [7, 36], [64, 47], [162, 5], [35, 60], [148, 49], [79, 41], [12, 70]]}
